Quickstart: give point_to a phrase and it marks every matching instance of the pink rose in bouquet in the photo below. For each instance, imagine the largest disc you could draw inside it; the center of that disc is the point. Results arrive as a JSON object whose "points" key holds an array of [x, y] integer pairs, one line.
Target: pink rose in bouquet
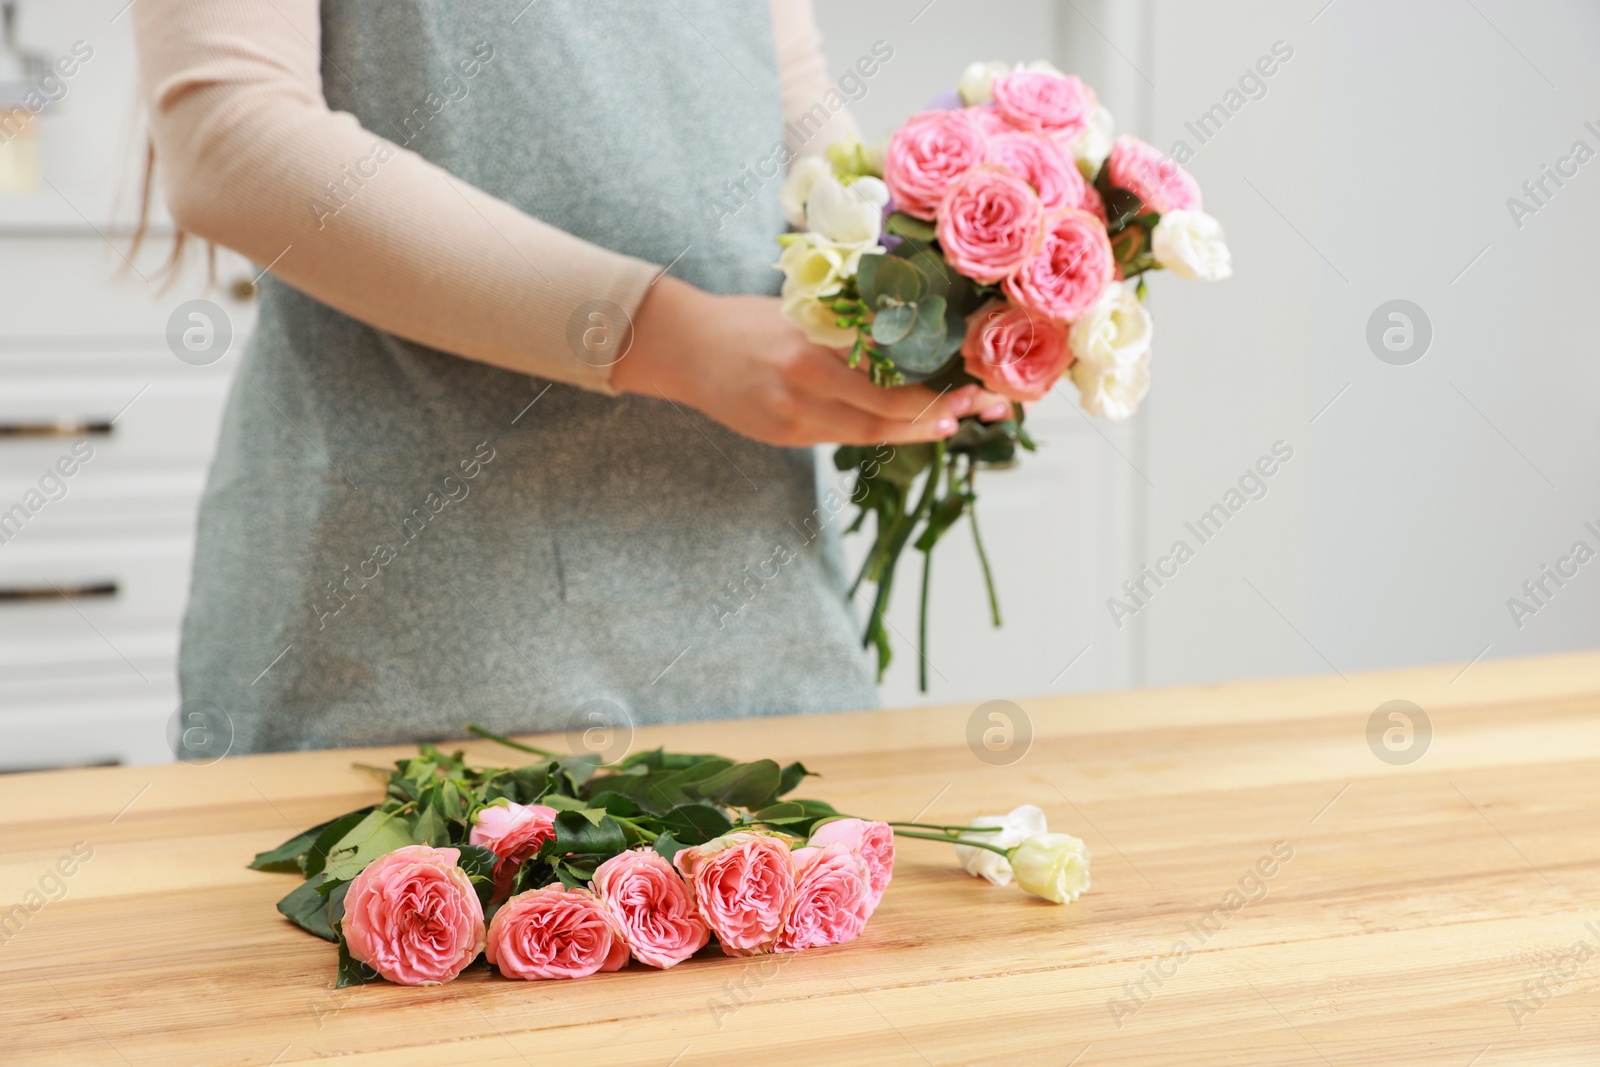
{"points": [[1072, 267], [413, 916], [872, 841], [1043, 102], [513, 832], [742, 884], [1013, 352], [650, 903], [832, 899], [1043, 164], [1152, 175], [989, 223], [555, 932], [927, 155]]}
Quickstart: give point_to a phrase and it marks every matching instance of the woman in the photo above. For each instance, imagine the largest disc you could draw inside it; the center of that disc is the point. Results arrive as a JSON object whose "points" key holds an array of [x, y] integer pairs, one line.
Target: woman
{"points": [[513, 441]]}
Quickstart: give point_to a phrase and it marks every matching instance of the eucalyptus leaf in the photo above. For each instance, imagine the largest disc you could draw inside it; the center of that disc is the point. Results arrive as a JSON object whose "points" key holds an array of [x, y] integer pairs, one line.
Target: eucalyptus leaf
{"points": [[902, 225], [897, 279], [893, 323]]}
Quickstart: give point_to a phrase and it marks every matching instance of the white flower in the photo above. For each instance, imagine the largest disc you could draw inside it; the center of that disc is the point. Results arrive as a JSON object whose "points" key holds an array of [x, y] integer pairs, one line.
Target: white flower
{"points": [[812, 267], [872, 155], [797, 186], [1116, 331], [1042, 66], [1111, 390], [1191, 245], [818, 319], [1094, 143], [847, 214], [1010, 830], [1052, 866], [976, 80]]}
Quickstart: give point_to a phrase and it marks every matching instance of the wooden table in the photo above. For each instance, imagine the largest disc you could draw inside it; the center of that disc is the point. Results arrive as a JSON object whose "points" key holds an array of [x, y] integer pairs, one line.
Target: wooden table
{"points": [[1442, 911]]}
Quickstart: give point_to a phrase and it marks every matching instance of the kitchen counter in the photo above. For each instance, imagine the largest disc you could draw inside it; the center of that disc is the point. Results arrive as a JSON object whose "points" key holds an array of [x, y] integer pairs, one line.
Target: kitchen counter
{"points": [[1268, 890]]}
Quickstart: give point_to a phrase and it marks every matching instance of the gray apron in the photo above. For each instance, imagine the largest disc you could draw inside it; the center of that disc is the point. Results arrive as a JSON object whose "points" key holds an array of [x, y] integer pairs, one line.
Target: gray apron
{"points": [[392, 543]]}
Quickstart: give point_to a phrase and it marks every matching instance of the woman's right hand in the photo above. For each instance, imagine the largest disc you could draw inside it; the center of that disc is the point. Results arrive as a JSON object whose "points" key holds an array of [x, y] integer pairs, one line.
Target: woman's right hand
{"points": [[738, 360]]}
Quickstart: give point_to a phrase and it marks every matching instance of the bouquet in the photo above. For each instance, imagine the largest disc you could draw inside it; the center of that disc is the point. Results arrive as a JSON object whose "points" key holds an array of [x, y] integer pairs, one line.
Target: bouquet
{"points": [[565, 866], [1000, 238]]}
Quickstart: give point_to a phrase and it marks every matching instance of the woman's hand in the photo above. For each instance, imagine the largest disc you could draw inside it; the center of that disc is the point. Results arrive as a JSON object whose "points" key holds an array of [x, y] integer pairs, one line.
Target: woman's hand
{"points": [[737, 359]]}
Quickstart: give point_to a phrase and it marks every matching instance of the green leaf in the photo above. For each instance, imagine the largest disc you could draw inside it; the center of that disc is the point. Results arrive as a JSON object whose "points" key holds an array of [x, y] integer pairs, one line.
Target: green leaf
{"points": [[897, 279], [316, 857], [307, 908], [576, 834], [793, 775], [866, 277], [922, 350], [479, 863], [432, 829], [893, 323], [743, 785], [668, 846], [906, 464], [530, 782], [286, 856], [695, 824], [376, 835], [903, 225], [351, 971]]}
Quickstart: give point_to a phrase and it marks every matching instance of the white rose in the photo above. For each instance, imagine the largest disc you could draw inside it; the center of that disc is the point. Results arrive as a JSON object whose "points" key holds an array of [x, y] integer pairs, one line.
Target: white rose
{"points": [[1010, 831], [1191, 245], [847, 214], [818, 319], [797, 186], [1116, 331], [976, 80], [1094, 143], [1052, 866], [811, 267], [1111, 390]]}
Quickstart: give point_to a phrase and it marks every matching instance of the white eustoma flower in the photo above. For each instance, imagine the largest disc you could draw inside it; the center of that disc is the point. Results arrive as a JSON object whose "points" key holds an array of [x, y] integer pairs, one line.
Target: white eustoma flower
{"points": [[812, 267], [797, 187], [974, 86], [1117, 330], [1052, 866], [847, 214], [1010, 831], [1111, 390], [1191, 245], [1094, 143], [817, 318]]}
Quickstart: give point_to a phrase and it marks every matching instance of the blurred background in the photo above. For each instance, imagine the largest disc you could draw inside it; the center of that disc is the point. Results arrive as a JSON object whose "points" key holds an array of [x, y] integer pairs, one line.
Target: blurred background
{"points": [[1421, 349]]}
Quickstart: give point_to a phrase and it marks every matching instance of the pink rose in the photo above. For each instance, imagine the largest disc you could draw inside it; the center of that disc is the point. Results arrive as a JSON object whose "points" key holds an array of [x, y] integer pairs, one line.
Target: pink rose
{"points": [[832, 898], [1053, 104], [1071, 268], [1152, 175], [413, 916], [513, 832], [989, 223], [989, 121], [927, 154], [555, 932], [1092, 203], [1014, 353], [1043, 164], [651, 904], [742, 884], [872, 841]]}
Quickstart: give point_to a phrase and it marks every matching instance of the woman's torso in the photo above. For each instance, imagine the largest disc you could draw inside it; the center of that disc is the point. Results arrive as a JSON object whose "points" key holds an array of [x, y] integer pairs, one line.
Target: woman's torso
{"points": [[425, 541]]}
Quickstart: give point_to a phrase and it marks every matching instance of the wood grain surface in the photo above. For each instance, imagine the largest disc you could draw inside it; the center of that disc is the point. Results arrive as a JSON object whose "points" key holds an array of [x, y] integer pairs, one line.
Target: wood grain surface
{"points": [[1440, 911]]}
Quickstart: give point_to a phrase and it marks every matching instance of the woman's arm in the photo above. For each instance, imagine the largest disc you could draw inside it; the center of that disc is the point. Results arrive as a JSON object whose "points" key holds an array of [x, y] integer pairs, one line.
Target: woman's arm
{"points": [[245, 142]]}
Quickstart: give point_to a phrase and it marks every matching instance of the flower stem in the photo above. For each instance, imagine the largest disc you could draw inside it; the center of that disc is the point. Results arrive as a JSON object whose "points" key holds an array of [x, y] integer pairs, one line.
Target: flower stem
{"points": [[949, 829], [950, 840], [983, 557], [474, 728], [922, 618], [648, 835]]}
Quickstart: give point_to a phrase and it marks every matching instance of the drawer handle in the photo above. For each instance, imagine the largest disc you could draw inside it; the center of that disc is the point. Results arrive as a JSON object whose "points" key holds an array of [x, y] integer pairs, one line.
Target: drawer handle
{"points": [[48, 591], [61, 428]]}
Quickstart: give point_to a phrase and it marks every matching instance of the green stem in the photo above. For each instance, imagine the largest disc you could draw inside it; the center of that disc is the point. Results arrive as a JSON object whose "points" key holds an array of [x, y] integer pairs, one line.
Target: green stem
{"points": [[949, 829], [474, 728], [983, 557], [648, 835], [922, 619], [951, 841]]}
